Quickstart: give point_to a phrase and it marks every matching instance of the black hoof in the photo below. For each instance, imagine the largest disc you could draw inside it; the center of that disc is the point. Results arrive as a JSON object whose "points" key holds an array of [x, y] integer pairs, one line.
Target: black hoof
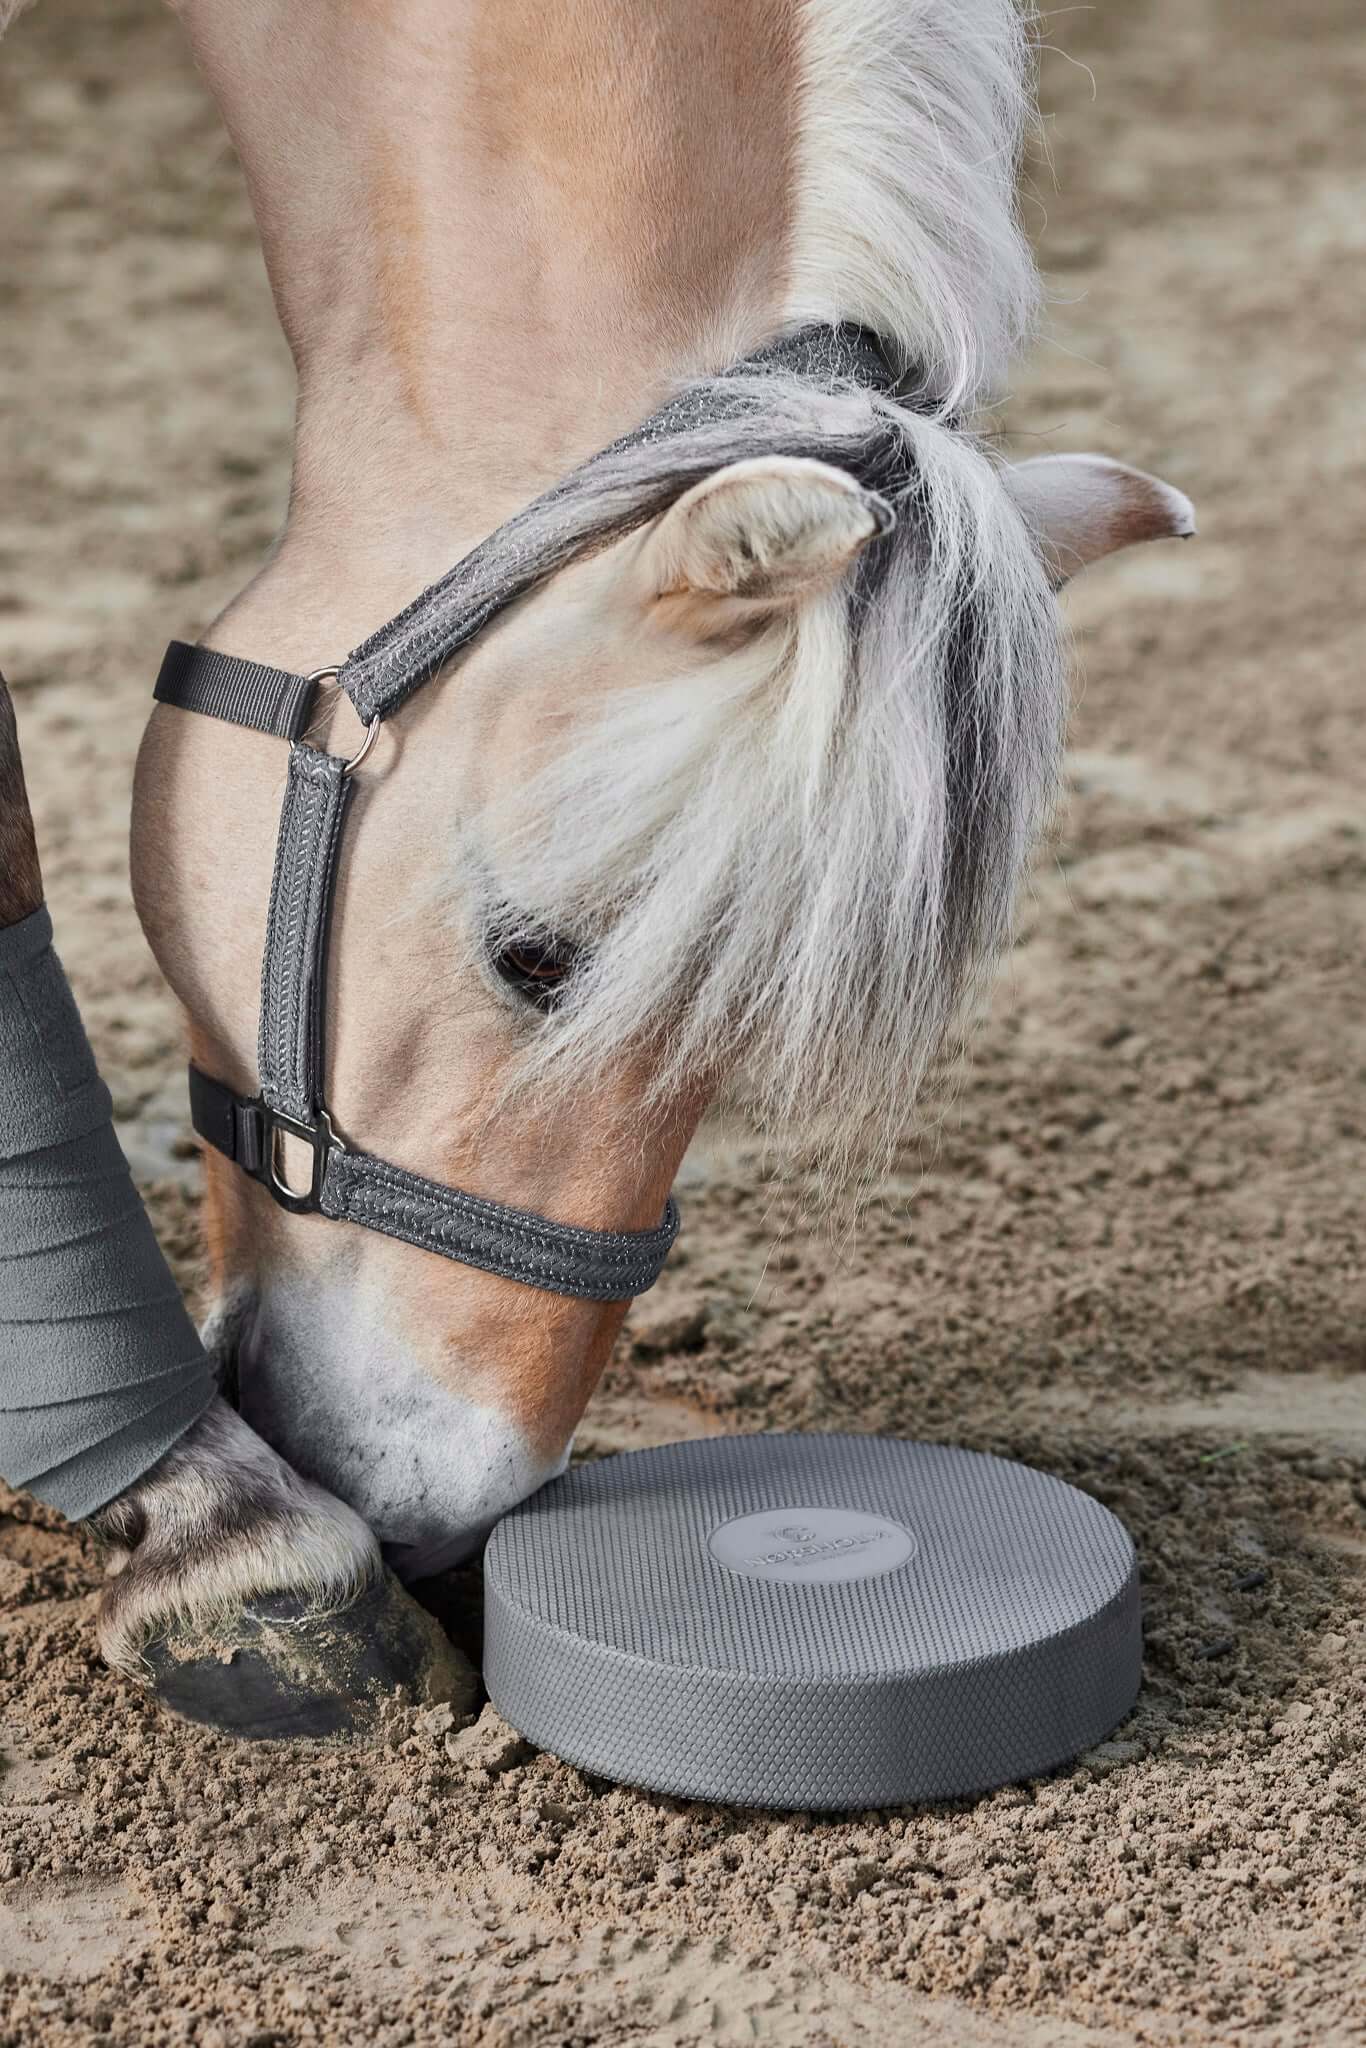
{"points": [[281, 1670]]}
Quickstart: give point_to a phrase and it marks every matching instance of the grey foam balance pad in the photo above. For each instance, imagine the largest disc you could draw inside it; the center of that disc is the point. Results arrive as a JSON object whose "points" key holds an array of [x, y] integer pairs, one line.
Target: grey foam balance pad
{"points": [[811, 1621]]}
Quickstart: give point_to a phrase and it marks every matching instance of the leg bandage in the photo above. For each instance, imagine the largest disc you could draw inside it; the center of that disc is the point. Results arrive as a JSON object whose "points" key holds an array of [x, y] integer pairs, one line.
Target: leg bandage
{"points": [[100, 1366]]}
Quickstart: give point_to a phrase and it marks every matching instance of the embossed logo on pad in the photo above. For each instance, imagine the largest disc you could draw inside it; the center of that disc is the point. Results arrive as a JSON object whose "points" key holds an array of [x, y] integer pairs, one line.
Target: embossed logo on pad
{"points": [[803, 1545]]}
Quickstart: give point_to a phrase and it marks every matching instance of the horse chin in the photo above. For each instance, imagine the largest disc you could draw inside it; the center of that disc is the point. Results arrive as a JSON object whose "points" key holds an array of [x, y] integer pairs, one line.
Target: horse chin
{"points": [[328, 1384]]}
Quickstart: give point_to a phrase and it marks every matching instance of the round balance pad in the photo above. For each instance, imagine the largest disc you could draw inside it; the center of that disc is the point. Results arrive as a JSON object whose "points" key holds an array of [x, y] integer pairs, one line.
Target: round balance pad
{"points": [[811, 1621]]}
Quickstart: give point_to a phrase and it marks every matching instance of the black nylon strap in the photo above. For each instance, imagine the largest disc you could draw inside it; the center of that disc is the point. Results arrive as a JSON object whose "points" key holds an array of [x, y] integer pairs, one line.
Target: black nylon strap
{"points": [[242, 692], [230, 1123]]}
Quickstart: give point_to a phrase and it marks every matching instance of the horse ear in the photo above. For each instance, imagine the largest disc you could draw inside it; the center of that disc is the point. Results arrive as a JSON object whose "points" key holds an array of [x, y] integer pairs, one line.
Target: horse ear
{"points": [[1080, 507], [761, 534]]}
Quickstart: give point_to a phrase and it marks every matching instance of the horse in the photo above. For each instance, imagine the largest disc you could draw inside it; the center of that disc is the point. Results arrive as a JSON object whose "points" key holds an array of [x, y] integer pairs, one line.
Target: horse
{"points": [[747, 784]]}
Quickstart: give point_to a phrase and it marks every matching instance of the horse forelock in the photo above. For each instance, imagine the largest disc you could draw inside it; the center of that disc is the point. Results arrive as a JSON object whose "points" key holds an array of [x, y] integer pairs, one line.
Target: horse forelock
{"points": [[799, 863]]}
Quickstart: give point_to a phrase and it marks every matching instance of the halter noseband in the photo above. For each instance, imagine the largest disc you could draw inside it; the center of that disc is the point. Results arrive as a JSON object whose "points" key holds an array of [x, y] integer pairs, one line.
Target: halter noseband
{"points": [[347, 1185]]}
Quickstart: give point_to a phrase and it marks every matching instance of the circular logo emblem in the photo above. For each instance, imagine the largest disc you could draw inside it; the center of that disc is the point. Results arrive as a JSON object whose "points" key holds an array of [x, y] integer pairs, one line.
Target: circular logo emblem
{"points": [[806, 1546]]}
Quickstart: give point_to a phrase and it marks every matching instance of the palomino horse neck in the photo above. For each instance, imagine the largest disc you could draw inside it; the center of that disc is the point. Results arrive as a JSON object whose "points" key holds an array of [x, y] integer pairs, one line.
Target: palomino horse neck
{"points": [[495, 232]]}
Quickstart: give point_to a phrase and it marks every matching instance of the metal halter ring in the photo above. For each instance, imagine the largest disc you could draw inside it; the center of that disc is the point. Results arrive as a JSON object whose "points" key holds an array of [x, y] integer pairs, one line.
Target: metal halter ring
{"points": [[371, 729], [321, 675]]}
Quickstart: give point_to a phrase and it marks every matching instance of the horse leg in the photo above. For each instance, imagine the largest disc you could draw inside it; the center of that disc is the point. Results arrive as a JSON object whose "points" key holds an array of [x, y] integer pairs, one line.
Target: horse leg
{"points": [[249, 1598]]}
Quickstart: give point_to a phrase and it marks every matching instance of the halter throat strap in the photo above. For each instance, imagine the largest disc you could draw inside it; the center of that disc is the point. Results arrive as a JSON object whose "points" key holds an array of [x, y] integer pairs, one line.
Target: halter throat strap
{"points": [[345, 1184]]}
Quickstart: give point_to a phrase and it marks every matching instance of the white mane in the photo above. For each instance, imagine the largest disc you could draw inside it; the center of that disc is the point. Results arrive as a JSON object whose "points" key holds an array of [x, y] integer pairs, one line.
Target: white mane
{"points": [[912, 122], [799, 862]]}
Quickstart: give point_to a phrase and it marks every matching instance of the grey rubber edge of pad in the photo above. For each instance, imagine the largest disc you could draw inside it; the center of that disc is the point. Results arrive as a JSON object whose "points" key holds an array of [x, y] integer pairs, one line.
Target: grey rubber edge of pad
{"points": [[825, 1740]]}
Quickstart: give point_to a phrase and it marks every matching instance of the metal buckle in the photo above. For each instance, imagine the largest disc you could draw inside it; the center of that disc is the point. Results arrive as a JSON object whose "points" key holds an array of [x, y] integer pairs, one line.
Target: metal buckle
{"points": [[324, 1141]]}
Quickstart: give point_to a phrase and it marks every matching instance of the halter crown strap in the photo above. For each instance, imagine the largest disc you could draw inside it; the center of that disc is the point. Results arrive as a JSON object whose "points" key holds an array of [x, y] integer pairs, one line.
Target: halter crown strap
{"points": [[408, 651]]}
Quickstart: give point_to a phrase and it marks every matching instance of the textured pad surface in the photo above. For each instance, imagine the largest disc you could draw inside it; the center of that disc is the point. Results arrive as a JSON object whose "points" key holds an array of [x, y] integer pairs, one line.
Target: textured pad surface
{"points": [[811, 1621]]}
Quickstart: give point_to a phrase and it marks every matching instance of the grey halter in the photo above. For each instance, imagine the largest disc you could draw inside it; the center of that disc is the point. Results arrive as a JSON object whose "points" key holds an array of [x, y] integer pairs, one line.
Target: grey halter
{"points": [[345, 1184]]}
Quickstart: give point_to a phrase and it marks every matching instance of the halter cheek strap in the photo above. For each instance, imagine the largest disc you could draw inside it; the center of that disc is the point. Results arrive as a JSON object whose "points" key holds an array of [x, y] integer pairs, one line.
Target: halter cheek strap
{"points": [[347, 1185]]}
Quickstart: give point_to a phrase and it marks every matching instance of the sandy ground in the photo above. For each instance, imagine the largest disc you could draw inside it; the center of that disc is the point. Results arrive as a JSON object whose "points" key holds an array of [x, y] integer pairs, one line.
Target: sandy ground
{"points": [[1130, 1252]]}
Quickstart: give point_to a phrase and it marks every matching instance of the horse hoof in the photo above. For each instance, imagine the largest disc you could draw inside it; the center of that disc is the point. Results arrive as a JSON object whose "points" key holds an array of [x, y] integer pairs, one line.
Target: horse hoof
{"points": [[282, 1670]]}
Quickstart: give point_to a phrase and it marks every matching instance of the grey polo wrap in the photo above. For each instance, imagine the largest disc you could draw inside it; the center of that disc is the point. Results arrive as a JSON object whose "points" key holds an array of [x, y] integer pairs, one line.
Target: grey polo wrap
{"points": [[100, 1366]]}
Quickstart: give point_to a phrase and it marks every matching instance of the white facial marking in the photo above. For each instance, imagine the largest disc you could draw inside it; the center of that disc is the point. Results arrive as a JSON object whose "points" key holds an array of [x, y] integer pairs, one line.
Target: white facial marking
{"points": [[330, 1386]]}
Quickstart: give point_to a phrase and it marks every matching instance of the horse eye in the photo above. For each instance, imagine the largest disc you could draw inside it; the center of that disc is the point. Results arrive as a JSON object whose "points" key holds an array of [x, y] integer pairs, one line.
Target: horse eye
{"points": [[536, 965]]}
